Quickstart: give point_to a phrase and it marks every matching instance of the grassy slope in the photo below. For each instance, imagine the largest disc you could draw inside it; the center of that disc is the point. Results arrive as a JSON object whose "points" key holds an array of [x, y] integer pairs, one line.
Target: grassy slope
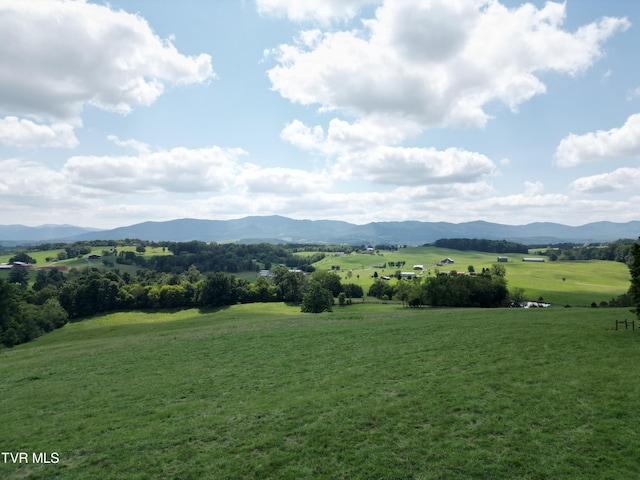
{"points": [[585, 282], [262, 391]]}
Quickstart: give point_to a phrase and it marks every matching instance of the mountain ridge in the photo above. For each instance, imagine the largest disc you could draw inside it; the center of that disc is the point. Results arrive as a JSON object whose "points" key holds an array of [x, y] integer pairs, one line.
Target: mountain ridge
{"points": [[280, 229]]}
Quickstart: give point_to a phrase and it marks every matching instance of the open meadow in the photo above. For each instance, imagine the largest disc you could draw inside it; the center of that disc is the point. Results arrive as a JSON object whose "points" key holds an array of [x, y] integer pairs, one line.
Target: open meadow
{"points": [[575, 283], [368, 391]]}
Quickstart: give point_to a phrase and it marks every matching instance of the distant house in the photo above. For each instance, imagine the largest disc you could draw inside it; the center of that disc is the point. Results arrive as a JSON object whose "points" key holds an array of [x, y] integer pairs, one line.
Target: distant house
{"points": [[94, 256], [20, 265], [5, 266], [537, 260], [368, 251], [407, 274], [503, 259], [418, 267], [535, 305], [447, 261], [265, 273], [339, 254]]}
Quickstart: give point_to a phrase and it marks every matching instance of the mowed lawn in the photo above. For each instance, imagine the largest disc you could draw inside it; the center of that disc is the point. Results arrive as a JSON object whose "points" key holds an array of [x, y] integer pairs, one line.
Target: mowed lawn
{"points": [[368, 391]]}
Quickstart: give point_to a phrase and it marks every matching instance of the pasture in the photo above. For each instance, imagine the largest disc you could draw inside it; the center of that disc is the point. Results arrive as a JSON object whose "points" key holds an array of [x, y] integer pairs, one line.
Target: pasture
{"points": [[368, 391], [575, 283]]}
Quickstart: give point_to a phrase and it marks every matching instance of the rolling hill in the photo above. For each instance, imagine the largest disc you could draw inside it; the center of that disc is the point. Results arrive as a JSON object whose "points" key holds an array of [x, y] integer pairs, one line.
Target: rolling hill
{"points": [[278, 229]]}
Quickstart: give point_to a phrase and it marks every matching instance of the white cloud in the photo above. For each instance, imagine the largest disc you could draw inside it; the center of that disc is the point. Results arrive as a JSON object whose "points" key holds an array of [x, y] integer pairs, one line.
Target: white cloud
{"points": [[415, 166], [360, 150], [320, 10], [633, 94], [71, 53], [176, 170], [281, 181], [437, 63], [600, 145], [619, 179], [533, 188], [16, 132]]}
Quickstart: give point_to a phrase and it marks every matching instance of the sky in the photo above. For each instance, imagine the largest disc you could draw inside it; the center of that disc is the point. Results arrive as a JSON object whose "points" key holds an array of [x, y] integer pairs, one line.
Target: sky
{"points": [[115, 113]]}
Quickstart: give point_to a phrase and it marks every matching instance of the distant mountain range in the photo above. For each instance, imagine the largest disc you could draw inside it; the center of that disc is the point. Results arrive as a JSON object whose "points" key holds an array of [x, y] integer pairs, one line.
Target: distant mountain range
{"points": [[277, 229]]}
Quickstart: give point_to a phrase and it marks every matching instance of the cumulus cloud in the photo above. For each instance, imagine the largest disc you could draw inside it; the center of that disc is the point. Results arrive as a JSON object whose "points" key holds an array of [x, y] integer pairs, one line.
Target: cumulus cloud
{"points": [[437, 63], [362, 150], [176, 170], [415, 166], [16, 132], [600, 145], [281, 181], [619, 179], [93, 55], [320, 10]]}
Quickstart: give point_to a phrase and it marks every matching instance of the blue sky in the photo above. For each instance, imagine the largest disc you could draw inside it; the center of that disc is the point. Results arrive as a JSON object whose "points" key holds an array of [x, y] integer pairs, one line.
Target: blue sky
{"points": [[434, 110]]}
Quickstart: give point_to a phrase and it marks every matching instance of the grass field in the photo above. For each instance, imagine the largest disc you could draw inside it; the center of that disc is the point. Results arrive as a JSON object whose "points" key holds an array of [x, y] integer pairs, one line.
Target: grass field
{"points": [[368, 391], [577, 283]]}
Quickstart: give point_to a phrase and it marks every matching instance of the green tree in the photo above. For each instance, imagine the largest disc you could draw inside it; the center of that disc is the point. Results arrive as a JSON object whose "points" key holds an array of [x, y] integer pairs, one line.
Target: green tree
{"points": [[342, 299], [217, 289], [328, 280], [498, 270], [20, 276], [634, 269], [316, 299], [22, 257], [291, 285]]}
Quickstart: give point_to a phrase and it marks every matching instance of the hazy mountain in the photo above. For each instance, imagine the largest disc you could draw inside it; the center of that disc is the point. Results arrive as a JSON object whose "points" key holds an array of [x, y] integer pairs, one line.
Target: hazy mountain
{"points": [[277, 229], [42, 233]]}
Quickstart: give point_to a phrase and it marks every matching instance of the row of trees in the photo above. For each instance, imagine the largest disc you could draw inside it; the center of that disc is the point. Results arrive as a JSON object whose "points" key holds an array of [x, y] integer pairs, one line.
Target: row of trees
{"points": [[486, 290], [22, 319], [54, 298], [618, 251], [481, 245]]}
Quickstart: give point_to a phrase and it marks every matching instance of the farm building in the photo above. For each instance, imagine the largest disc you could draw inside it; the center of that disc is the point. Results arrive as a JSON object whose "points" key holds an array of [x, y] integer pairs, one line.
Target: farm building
{"points": [[20, 265], [418, 267], [503, 259], [538, 260], [94, 256], [407, 274], [447, 261]]}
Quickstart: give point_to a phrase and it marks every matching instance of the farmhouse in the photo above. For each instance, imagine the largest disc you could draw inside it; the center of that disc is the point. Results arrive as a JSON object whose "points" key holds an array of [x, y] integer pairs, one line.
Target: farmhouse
{"points": [[447, 261], [5, 266], [418, 267], [407, 274], [538, 260], [94, 256], [503, 259], [265, 273]]}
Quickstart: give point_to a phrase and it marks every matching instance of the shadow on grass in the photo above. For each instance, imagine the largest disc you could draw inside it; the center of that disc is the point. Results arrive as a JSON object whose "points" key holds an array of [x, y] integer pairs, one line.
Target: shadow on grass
{"points": [[149, 311]]}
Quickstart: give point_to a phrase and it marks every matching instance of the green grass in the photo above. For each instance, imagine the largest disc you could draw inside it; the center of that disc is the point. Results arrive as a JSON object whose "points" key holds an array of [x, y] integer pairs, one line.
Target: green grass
{"points": [[369, 391], [584, 281]]}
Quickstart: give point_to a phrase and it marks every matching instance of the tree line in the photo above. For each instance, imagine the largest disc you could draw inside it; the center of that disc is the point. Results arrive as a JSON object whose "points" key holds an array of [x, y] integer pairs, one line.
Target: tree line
{"points": [[56, 298], [481, 245], [486, 290], [618, 251]]}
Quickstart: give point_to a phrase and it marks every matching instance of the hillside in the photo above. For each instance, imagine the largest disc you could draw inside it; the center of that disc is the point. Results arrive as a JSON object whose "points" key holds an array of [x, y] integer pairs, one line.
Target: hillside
{"points": [[369, 391], [277, 229]]}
